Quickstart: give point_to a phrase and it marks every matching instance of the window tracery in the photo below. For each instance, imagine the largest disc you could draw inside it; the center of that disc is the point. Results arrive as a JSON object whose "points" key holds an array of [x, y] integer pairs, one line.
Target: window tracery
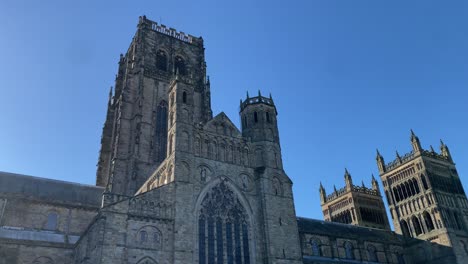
{"points": [[223, 235]]}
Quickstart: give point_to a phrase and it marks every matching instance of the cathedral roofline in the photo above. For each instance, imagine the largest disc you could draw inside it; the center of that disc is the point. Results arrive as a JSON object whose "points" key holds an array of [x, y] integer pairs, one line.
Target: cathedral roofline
{"points": [[31, 187]]}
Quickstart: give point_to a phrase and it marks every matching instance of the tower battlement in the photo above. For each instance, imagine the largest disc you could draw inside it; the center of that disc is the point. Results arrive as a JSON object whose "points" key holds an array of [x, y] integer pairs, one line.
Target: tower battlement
{"points": [[256, 100], [172, 32]]}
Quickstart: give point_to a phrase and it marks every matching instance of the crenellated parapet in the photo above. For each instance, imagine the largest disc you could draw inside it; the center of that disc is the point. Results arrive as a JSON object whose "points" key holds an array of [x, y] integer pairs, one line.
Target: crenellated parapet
{"points": [[417, 151], [256, 100], [172, 32]]}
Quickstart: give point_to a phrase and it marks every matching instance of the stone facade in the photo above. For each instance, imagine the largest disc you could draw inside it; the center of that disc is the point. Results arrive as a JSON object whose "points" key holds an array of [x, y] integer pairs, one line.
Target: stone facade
{"points": [[356, 205], [176, 185], [426, 197]]}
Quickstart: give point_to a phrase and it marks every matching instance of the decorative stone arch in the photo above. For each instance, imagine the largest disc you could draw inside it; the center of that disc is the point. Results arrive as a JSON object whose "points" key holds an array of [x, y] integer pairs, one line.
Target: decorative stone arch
{"points": [[204, 173], [228, 202], [43, 260], [149, 236], [277, 186], [147, 260], [185, 140]]}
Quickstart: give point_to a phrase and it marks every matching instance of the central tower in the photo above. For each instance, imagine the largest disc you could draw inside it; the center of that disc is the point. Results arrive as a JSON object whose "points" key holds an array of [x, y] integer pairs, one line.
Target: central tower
{"points": [[140, 110]]}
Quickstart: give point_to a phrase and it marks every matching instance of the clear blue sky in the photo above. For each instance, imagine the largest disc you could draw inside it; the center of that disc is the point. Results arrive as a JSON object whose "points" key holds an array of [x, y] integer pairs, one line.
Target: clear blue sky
{"points": [[347, 77]]}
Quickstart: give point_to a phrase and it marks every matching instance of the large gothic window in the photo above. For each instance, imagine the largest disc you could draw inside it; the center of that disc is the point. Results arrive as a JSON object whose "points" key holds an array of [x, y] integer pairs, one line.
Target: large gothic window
{"points": [[223, 228], [160, 135], [161, 60]]}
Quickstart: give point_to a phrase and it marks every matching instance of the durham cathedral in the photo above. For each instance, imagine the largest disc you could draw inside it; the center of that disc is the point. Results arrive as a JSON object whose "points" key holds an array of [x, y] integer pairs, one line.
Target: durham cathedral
{"points": [[176, 184]]}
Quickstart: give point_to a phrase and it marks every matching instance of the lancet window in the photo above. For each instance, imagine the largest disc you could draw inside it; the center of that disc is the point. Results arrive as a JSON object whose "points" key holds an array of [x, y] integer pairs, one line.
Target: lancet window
{"points": [[160, 135]]}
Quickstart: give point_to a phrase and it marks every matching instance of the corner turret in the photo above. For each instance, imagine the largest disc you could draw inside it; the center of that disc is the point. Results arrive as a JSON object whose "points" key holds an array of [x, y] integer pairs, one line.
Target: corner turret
{"points": [[259, 124], [375, 184], [416, 144], [444, 151], [380, 162], [348, 180], [323, 194]]}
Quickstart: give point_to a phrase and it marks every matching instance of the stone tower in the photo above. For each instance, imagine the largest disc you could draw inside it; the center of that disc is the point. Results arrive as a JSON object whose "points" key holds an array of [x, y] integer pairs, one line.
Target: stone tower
{"points": [[426, 197], [134, 138], [356, 205], [181, 185]]}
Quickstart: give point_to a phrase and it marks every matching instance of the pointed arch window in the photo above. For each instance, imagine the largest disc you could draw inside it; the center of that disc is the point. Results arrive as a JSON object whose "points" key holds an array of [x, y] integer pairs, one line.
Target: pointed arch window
{"points": [[424, 182], [223, 228], [268, 117], [160, 135], [428, 220], [315, 247], [349, 250], [404, 228], [416, 226], [255, 117], [179, 66], [184, 97], [161, 60]]}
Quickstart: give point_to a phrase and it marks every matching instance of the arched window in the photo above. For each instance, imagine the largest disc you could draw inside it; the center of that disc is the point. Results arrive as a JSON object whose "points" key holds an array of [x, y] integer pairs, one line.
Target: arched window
{"points": [[179, 66], [424, 182], [184, 97], [52, 219], [372, 253], [428, 220], [143, 236], [405, 193], [314, 243], [161, 60], [255, 117], [404, 228], [223, 228], [395, 193], [349, 250], [416, 225], [268, 117], [416, 186], [160, 135]]}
